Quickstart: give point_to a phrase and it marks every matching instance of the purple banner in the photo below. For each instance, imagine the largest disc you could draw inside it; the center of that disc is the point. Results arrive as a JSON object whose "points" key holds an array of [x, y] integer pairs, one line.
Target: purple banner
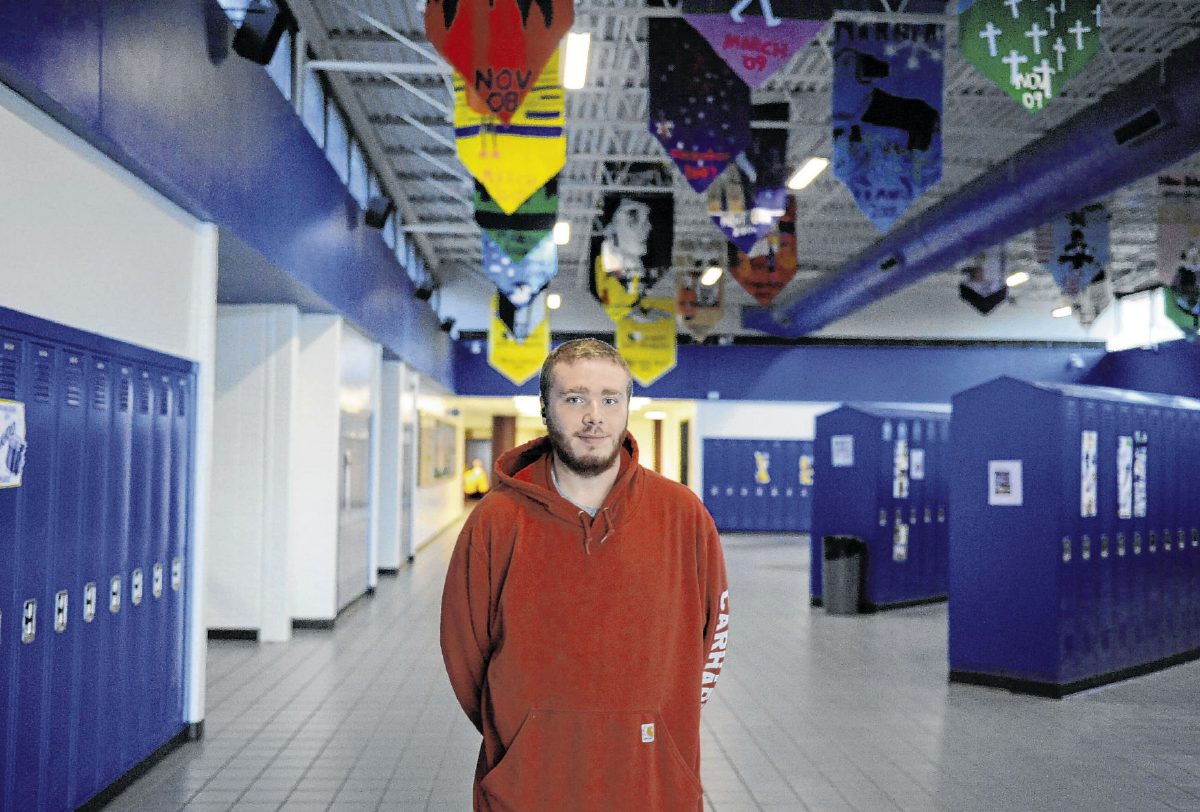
{"points": [[699, 108], [754, 47]]}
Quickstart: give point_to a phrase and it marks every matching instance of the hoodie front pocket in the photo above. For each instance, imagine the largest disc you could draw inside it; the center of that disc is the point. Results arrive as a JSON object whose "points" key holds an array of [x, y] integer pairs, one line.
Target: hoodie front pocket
{"points": [[592, 760]]}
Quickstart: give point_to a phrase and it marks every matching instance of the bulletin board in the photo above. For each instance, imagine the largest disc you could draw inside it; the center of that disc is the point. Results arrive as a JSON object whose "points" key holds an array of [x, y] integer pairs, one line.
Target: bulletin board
{"points": [[436, 447]]}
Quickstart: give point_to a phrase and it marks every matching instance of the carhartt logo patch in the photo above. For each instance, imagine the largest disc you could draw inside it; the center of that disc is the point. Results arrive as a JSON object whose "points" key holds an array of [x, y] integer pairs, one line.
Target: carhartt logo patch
{"points": [[648, 733]]}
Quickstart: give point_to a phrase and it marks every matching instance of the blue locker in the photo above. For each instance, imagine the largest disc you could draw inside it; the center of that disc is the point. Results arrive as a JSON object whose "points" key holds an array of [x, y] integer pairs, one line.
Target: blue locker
{"points": [[872, 495], [1094, 580], [141, 643], [804, 488], [12, 365], [181, 457], [165, 724], [35, 538]]}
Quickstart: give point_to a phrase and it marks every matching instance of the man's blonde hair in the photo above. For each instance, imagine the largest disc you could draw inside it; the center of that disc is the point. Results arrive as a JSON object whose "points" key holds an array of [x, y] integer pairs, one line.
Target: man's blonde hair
{"points": [[578, 349]]}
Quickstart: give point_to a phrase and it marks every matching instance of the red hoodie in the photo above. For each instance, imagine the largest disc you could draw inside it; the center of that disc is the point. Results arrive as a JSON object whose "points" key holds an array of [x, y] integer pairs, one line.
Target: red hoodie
{"points": [[582, 648]]}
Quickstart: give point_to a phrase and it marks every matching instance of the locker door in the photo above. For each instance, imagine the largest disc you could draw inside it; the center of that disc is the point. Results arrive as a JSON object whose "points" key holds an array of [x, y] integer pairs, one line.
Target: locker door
{"points": [[1071, 548], [12, 371], [714, 486], [34, 541], [120, 696], [141, 652], [162, 726], [61, 713], [179, 526], [91, 613], [804, 491], [1110, 498]]}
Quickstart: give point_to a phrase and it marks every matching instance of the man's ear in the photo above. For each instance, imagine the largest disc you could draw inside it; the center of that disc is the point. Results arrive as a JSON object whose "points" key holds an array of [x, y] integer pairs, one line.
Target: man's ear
{"points": [[542, 403]]}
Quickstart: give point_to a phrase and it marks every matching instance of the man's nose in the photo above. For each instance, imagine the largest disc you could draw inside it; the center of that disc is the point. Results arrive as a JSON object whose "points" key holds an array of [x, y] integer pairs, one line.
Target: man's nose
{"points": [[592, 413]]}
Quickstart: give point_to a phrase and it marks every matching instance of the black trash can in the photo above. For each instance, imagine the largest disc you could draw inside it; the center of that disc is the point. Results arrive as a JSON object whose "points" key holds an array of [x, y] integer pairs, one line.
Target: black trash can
{"points": [[841, 575]]}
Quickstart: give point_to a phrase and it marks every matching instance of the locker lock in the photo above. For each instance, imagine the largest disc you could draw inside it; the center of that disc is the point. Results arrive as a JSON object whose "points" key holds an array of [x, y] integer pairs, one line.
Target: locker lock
{"points": [[157, 580], [1195, 537], [1180, 538], [1137, 542], [176, 575], [1153, 541], [883, 517], [89, 602], [29, 622], [60, 611], [1166, 539], [1066, 549], [135, 587], [114, 594], [1085, 548], [1120, 545], [1104, 545], [912, 515], [928, 516]]}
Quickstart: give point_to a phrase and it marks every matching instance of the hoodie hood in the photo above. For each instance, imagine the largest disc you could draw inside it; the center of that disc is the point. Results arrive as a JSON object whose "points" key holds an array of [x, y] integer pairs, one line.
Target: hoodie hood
{"points": [[525, 472]]}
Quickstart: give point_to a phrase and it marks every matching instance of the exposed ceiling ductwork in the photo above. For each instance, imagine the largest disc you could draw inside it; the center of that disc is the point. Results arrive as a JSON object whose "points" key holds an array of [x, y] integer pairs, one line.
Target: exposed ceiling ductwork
{"points": [[1140, 128]]}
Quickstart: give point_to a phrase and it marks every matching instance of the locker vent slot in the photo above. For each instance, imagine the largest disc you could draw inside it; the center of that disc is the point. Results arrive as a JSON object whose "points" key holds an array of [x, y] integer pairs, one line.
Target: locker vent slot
{"points": [[43, 374], [73, 382], [164, 400], [125, 394], [181, 400], [145, 396], [8, 376], [100, 394]]}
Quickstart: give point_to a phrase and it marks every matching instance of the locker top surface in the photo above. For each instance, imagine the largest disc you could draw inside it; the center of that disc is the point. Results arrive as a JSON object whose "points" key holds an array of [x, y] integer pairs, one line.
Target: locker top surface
{"points": [[1085, 392], [881, 410]]}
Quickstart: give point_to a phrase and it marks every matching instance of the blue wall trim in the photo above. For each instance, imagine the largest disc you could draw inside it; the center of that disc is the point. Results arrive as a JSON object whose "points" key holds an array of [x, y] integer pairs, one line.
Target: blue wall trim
{"points": [[816, 373], [157, 87], [1173, 369]]}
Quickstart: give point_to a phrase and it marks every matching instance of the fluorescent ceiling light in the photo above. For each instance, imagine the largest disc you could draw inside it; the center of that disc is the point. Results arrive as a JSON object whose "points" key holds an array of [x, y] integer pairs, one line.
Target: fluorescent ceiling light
{"points": [[553, 301], [1018, 278], [527, 405], [1061, 312], [637, 403], [654, 414], [711, 274], [807, 173], [576, 61], [562, 232]]}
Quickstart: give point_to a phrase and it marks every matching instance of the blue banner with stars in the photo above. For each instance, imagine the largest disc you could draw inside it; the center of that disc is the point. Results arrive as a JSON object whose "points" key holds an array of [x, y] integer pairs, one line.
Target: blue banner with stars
{"points": [[887, 113], [699, 108]]}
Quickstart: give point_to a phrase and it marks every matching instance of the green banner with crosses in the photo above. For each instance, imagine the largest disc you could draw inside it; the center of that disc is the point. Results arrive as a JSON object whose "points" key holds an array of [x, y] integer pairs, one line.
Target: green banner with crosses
{"points": [[1031, 48]]}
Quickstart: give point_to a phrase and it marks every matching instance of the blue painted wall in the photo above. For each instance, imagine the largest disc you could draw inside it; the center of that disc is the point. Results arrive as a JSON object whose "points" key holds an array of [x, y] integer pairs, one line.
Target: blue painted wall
{"points": [[1173, 369], [157, 87], [817, 372]]}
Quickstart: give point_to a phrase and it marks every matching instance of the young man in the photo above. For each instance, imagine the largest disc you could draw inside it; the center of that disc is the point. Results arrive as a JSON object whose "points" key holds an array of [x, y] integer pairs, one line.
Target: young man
{"points": [[585, 615]]}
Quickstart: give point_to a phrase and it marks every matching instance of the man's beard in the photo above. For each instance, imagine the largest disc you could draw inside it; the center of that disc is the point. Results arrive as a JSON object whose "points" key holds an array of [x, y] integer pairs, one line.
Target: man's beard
{"points": [[589, 466]]}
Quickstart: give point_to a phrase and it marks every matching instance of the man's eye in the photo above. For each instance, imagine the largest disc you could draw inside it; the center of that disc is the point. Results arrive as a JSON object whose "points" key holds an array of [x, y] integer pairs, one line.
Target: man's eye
{"points": [[611, 401]]}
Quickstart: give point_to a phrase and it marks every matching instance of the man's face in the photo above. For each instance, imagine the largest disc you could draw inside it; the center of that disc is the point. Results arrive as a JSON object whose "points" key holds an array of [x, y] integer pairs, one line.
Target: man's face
{"points": [[586, 414], [631, 227]]}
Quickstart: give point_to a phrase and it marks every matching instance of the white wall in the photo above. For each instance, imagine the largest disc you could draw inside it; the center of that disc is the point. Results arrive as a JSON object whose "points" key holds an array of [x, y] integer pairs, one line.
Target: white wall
{"points": [[361, 371], [88, 245], [256, 373], [436, 506], [392, 477], [314, 531]]}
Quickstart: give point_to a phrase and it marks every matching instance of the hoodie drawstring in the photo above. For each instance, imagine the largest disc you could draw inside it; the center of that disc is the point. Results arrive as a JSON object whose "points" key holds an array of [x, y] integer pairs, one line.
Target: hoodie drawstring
{"points": [[587, 529]]}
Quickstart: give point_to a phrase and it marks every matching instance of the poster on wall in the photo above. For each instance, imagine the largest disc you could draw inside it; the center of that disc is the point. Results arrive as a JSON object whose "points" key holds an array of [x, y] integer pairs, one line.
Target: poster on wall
{"points": [[12, 443], [900, 541], [1139, 474], [841, 450], [436, 449], [1087, 474], [1005, 488], [900, 470], [1124, 477]]}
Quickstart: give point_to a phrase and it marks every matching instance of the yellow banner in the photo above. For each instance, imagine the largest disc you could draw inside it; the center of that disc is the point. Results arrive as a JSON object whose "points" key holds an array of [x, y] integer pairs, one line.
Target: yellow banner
{"points": [[517, 360], [646, 339], [514, 160]]}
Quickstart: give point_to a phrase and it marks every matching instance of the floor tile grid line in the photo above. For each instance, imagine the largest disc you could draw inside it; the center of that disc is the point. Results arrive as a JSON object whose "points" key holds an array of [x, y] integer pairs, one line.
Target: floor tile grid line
{"points": [[716, 740]]}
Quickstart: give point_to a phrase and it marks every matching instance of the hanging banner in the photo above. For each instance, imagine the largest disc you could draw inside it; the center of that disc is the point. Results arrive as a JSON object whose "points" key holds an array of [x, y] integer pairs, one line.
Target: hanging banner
{"points": [[500, 46], [1030, 49], [514, 160], [1080, 241], [887, 114], [520, 232], [517, 360], [982, 285], [757, 38], [633, 250], [12, 443], [520, 281], [751, 194], [1179, 247], [698, 307], [771, 264], [699, 108], [522, 319], [646, 340]]}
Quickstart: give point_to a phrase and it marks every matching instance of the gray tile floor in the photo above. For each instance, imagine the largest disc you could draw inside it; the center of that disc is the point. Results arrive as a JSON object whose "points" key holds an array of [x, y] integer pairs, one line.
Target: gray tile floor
{"points": [[813, 712]]}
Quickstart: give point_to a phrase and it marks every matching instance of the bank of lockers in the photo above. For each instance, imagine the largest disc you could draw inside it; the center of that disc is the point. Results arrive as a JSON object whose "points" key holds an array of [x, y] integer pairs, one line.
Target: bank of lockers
{"points": [[1075, 535], [92, 559], [881, 477], [759, 485]]}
